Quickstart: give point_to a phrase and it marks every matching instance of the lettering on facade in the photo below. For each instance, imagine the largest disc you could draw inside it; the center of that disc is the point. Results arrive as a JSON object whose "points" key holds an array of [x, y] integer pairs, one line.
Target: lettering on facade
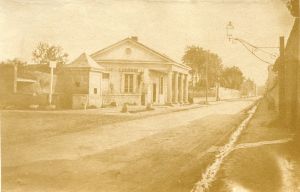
{"points": [[128, 70]]}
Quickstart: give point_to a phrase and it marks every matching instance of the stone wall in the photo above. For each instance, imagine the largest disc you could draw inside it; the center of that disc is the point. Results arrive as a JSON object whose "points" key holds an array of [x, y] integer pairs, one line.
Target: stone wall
{"points": [[120, 99], [84, 101], [74, 81]]}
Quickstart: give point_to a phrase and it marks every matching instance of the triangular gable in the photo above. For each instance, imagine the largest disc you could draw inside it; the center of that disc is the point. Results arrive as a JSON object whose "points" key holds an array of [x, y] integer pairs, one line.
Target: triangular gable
{"points": [[130, 50]]}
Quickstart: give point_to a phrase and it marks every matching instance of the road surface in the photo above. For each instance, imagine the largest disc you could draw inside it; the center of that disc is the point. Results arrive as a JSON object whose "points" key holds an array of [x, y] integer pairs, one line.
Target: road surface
{"points": [[166, 152]]}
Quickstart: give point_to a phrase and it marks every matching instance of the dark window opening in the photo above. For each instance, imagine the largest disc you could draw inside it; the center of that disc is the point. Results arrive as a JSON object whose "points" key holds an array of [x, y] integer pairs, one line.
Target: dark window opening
{"points": [[77, 84], [105, 76], [161, 85]]}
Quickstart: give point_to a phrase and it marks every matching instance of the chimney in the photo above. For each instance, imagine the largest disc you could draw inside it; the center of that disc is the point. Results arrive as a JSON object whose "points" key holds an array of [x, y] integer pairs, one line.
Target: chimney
{"points": [[134, 38]]}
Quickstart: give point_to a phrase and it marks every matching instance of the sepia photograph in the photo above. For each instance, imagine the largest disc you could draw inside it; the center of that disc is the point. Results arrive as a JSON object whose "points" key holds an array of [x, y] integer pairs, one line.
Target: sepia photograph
{"points": [[150, 95]]}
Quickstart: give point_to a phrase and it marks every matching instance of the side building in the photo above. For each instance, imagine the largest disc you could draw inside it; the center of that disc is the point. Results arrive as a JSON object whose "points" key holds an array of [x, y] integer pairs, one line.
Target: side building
{"points": [[125, 72]]}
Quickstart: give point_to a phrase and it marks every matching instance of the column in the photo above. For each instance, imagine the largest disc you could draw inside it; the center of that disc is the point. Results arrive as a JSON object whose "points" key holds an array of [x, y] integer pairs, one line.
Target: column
{"points": [[181, 88], [147, 88], [135, 90], [175, 87], [169, 90], [186, 89], [122, 83]]}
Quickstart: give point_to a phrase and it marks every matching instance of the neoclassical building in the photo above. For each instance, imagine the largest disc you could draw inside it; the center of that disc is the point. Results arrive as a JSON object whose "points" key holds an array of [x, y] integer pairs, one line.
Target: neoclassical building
{"points": [[125, 72]]}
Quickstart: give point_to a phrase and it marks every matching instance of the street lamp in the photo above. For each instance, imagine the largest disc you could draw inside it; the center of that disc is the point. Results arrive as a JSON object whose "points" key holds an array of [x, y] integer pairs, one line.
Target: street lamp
{"points": [[250, 47], [229, 30], [281, 69]]}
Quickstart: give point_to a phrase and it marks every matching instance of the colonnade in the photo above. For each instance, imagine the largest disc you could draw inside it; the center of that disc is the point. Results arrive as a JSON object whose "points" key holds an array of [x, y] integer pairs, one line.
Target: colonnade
{"points": [[177, 87]]}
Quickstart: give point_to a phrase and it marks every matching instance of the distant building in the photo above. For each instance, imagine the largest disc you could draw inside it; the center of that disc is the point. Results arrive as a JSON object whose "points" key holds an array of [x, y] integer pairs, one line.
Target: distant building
{"points": [[248, 88], [125, 72]]}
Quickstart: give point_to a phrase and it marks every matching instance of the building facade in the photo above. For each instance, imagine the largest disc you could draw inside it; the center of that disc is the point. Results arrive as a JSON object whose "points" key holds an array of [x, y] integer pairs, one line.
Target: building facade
{"points": [[125, 72]]}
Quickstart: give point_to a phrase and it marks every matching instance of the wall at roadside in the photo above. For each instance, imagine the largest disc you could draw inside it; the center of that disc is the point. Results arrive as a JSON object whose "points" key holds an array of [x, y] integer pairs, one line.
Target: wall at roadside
{"points": [[292, 80], [224, 94]]}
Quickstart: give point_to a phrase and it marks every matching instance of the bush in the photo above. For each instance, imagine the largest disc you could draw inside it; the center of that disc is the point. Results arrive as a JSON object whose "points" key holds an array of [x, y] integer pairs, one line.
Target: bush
{"points": [[92, 107], [113, 104], [124, 108], [149, 107]]}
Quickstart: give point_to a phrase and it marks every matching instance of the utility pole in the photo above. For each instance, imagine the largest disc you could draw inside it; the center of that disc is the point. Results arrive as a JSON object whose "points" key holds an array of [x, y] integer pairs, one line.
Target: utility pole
{"points": [[206, 79], [52, 65], [281, 79], [15, 87], [218, 89], [218, 81]]}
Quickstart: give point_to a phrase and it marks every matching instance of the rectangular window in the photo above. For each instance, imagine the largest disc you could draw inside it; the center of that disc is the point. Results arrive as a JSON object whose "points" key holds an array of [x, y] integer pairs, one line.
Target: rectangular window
{"points": [[95, 90], [161, 85], [128, 83]]}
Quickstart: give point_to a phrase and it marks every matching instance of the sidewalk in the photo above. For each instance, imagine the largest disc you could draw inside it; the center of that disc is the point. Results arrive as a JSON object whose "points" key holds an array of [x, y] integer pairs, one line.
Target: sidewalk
{"points": [[264, 159], [132, 109]]}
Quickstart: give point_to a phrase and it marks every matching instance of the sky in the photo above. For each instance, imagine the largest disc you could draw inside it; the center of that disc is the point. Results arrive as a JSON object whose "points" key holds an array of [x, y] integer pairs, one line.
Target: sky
{"points": [[168, 26]]}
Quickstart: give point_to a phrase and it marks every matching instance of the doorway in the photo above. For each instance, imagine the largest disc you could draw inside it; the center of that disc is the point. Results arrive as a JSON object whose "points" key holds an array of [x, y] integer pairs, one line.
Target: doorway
{"points": [[154, 93]]}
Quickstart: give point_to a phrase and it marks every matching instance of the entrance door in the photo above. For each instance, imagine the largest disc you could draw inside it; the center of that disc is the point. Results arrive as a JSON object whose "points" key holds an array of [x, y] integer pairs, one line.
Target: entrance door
{"points": [[154, 93], [143, 99]]}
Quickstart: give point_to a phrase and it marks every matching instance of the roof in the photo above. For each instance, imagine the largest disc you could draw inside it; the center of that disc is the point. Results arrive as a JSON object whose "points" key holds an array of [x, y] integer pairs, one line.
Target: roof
{"points": [[19, 79], [84, 61], [137, 43]]}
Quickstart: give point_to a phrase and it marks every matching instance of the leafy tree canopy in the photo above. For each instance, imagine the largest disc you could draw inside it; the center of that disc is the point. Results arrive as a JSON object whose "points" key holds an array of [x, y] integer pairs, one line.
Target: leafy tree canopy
{"points": [[44, 53], [198, 59], [293, 6], [232, 77]]}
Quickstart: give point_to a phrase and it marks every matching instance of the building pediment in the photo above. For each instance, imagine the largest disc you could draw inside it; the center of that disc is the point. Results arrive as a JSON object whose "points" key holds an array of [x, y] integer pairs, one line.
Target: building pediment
{"points": [[130, 49]]}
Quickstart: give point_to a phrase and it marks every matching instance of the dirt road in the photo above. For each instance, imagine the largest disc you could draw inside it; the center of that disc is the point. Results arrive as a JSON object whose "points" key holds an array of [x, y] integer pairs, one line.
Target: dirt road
{"points": [[166, 152]]}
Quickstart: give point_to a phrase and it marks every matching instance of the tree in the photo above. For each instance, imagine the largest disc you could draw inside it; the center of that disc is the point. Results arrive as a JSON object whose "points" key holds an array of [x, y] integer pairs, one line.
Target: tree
{"points": [[44, 53], [197, 58], [215, 68], [232, 77], [293, 6]]}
